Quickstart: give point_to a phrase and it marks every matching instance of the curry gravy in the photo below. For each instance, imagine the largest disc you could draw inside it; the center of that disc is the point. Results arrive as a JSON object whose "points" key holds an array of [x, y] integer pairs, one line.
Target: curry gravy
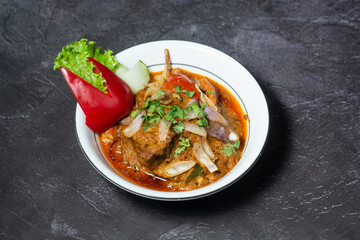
{"points": [[144, 176]]}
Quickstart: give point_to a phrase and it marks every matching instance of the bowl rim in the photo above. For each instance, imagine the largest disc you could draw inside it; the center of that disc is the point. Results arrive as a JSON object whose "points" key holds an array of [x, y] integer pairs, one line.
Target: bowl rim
{"points": [[176, 196]]}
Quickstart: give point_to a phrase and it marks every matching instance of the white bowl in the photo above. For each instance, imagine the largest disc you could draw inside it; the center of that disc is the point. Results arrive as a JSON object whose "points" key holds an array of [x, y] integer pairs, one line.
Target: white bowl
{"points": [[207, 61]]}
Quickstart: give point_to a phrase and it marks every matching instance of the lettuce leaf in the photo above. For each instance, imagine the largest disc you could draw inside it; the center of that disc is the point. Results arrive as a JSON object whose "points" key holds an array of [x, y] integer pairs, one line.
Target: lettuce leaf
{"points": [[74, 58]]}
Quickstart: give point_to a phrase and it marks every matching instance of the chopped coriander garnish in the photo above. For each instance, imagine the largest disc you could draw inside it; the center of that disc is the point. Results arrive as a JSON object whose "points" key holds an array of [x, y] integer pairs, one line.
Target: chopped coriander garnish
{"points": [[159, 93], [176, 112], [230, 148], [133, 114], [154, 111], [161, 112], [153, 118], [188, 93], [202, 122], [195, 173], [178, 151], [146, 125], [184, 143], [212, 92], [153, 106], [150, 120], [179, 128], [177, 90]]}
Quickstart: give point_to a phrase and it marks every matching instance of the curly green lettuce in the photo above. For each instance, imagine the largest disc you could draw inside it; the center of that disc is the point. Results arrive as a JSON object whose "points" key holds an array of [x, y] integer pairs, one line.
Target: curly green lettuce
{"points": [[74, 58]]}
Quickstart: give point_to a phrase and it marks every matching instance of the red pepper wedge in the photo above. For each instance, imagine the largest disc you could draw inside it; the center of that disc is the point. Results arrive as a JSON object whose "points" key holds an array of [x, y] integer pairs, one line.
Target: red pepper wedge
{"points": [[102, 110]]}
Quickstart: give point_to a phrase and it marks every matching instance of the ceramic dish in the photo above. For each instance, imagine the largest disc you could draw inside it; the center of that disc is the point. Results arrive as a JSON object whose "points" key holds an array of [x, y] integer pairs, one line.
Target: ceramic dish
{"points": [[207, 61]]}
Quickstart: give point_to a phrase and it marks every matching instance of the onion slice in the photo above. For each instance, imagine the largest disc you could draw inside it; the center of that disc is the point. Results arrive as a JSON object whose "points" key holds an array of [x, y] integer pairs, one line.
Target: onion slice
{"points": [[177, 168], [206, 147], [215, 116], [166, 98], [164, 129], [221, 132], [193, 100], [193, 128], [135, 125], [207, 87], [152, 89], [203, 158], [126, 121], [191, 115], [204, 99]]}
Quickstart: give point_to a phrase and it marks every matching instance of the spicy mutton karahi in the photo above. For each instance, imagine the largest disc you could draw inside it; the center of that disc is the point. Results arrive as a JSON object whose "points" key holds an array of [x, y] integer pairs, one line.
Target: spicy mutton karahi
{"points": [[185, 131]]}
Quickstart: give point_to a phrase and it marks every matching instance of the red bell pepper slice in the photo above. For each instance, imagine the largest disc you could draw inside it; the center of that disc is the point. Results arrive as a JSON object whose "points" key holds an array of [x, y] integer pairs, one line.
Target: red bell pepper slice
{"points": [[102, 110]]}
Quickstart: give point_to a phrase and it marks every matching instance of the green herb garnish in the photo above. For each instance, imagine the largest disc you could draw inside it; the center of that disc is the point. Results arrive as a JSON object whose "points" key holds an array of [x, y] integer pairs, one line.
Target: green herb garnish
{"points": [[195, 173], [176, 112], [202, 122], [154, 111], [159, 93], [188, 93], [134, 113], [198, 111], [146, 125], [212, 92], [179, 128], [153, 118], [153, 106], [184, 143], [177, 90], [230, 148]]}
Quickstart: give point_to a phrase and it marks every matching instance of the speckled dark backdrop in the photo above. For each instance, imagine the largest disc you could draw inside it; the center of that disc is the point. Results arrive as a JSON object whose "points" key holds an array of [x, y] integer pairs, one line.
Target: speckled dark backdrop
{"points": [[304, 54]]}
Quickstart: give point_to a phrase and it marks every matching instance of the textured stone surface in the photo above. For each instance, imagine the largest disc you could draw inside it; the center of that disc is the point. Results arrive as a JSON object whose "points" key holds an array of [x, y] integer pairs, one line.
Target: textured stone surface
{"points": [[304, 54]]}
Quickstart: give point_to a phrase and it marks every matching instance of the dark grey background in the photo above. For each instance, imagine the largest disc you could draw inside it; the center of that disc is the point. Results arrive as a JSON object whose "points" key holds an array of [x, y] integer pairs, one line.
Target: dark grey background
{"points": [[305, 56]]}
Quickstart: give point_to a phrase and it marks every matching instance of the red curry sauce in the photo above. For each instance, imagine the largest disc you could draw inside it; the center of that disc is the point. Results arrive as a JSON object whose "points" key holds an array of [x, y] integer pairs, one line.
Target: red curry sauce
{"points": [[154, 182]]}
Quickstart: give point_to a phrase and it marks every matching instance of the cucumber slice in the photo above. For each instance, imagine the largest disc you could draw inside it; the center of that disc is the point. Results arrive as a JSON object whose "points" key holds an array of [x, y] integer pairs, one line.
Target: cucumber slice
{"points": [[121, 70], [136, 77]]}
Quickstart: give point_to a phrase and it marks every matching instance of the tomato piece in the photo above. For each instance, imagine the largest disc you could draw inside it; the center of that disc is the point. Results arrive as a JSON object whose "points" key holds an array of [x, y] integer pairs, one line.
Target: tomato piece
{"points": [[181, 80]]}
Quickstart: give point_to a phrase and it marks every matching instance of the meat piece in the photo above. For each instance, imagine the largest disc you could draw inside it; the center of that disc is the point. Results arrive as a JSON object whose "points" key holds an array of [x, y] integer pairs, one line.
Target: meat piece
{"points": [[176, 71], [109, 136], [124, 149], [159, 79], [167, 69], [148, 145]]}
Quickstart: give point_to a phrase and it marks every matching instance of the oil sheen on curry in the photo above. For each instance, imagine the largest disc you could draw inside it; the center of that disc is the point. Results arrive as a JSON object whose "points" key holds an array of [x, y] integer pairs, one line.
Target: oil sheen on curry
{"points": [[185, 131]]}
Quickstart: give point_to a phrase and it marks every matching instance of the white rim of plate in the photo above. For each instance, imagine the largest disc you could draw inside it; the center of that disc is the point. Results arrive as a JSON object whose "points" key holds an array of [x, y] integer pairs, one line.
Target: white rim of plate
{"points": [[200, 59]]}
